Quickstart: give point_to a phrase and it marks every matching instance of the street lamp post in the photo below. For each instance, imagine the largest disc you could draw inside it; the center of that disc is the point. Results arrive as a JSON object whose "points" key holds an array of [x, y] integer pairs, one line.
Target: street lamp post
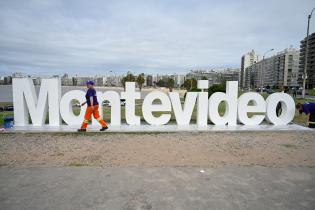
{"points": [[267, 52], [306, 52], [262, 73]]}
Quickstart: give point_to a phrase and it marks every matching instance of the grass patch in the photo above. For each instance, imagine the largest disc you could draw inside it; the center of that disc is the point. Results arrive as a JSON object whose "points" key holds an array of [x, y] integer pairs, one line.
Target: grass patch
{"points": [[291, 146], [96, 163], [77, 164], [311, 92]]}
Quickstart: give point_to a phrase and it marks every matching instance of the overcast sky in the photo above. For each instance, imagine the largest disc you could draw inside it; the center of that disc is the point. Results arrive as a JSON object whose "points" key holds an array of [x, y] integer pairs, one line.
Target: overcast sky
{"points": [[94, 37]]}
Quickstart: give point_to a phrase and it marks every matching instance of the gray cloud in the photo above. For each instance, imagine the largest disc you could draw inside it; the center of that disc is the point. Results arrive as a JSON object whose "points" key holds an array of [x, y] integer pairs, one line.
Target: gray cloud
{"points": [[92, 37]]}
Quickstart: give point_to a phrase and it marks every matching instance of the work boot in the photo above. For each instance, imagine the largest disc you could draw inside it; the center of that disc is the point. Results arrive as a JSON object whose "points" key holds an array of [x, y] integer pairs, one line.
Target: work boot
{"points": [[104, 128], [81, 130]]}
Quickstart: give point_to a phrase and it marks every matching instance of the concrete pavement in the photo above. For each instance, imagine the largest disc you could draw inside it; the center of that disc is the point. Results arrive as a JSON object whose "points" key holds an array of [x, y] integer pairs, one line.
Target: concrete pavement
{"points": [[226, 187]]}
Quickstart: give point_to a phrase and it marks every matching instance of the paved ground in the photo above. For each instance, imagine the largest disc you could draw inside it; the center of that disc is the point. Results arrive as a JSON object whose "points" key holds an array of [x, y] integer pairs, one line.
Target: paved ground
{"points": [[243, 170], [227, 187]]}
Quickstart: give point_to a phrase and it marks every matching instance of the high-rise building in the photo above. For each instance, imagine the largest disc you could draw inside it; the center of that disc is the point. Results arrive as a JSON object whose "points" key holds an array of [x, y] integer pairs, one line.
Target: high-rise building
{"points": [[215, 76], [18, 75], [210, 75], [80, 81], [276, 71], [247, 60], [66, 80], [7, 80], [149, 80], [310, 79], [98, 80], [179, 80], [229, 74]]}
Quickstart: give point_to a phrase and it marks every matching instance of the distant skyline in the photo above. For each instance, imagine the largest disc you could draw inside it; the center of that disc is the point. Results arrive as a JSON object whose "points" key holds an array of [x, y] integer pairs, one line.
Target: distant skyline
{"points": [[94, 37]]}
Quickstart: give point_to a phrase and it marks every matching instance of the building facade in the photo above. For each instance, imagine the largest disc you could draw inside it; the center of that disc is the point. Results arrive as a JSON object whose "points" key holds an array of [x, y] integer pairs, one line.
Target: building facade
{"points": [[66, 80], [229, 75], [276, 71], [247, 60], [216, 76], [211, 75], [149, 79], [310, 71]]}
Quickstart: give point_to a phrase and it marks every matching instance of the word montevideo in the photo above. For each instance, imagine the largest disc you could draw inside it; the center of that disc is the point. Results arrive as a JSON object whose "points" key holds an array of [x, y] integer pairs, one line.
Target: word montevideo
{"points": [[28, 105]]}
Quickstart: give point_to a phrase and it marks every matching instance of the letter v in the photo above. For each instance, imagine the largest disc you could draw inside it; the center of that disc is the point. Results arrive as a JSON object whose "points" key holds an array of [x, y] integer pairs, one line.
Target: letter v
{"points": [[183, 115]]}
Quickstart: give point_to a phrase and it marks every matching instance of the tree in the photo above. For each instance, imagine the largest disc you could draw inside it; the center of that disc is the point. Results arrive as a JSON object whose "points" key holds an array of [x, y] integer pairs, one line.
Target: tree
{"points": [[170, 84], [223, 83], [140, 80], [190, 84], [216, 88], [130, 77], [123, 82], [160, 83]]}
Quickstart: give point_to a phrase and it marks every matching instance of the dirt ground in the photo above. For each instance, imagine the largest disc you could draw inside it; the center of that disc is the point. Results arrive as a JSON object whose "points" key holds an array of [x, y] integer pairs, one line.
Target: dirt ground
{"points": [[274, 149]]}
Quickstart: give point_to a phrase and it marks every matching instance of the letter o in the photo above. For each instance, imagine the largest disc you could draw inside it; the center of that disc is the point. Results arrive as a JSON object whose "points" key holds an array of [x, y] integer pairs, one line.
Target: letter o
{"points": [[287, 106], [66, 107]]}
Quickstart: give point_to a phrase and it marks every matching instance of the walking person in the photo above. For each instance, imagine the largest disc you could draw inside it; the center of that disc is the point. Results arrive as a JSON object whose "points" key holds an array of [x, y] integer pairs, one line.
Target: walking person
{"points": [[308, 109], [294, 92], [92, 108]]}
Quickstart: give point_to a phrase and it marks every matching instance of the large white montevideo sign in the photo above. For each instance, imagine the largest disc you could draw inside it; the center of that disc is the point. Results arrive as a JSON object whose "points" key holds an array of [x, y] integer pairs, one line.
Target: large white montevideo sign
{"points": [[28, 104]]}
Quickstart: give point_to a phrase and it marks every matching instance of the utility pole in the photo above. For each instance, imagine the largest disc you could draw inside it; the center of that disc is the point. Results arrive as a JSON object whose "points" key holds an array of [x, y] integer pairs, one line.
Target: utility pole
{"points": [[306, 53], [263, 69]]}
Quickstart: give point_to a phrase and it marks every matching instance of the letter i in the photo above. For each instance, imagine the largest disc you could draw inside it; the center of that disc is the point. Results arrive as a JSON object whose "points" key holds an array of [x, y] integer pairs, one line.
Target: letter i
{"points": [[202, 103]]}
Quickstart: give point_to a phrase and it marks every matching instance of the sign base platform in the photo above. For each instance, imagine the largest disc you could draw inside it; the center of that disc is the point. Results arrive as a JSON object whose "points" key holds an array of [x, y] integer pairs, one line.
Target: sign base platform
{"points": [[145, 128]]}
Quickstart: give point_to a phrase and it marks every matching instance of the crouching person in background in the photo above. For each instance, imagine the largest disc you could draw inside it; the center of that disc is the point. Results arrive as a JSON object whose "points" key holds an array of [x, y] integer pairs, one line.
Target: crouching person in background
{"points": [[308, 109]]}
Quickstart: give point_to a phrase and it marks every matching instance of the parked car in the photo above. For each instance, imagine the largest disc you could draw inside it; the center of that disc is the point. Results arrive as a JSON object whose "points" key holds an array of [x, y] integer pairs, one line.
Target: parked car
{"points": [[76, 105], [106, 103], [8, 108], [260, 89], [269, 91]]}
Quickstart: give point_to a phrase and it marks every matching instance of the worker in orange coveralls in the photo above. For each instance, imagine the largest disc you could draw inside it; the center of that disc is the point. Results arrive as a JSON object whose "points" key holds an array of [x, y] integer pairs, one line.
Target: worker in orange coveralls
{"points": [[92, 108]]}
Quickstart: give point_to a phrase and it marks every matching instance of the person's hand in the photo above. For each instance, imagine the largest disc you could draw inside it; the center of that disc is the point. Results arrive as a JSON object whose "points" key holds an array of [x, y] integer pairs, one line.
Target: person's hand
{"points": [[92, 108], [82, 104]]}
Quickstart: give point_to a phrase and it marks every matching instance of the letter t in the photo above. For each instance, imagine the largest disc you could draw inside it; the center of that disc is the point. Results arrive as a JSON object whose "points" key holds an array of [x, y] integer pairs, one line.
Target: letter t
{"points": [[130, 108]]}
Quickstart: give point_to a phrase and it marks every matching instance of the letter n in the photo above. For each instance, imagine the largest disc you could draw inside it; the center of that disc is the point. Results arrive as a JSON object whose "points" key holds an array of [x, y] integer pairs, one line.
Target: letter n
{"points": [[27, 104]]}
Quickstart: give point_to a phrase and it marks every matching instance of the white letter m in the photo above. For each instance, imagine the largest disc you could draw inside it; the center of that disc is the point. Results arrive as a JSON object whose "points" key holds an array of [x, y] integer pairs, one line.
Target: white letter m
{"points": [[26, 103]]}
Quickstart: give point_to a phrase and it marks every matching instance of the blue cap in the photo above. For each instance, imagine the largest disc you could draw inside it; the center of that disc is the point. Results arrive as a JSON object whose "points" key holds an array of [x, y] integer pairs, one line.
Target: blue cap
{"points": [[90, 82]]}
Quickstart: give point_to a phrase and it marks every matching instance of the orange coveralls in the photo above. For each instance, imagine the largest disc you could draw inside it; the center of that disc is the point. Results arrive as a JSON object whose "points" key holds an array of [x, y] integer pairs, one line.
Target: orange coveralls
{"points": [[96, 115]]}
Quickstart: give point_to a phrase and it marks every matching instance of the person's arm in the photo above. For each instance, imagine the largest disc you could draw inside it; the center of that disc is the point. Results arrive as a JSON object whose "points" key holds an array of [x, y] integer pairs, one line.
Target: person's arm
{"points": [[91, 99], [83, 103]]}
